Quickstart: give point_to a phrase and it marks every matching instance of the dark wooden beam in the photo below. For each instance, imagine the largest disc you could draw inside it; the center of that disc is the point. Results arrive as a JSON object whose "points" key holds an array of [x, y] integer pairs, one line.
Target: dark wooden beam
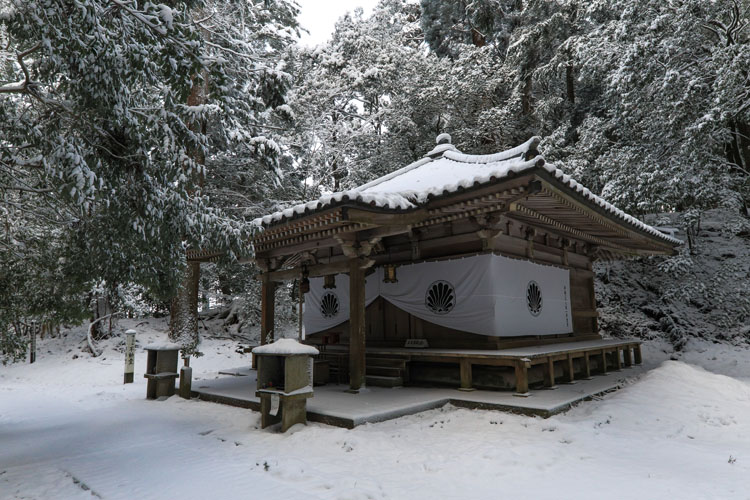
{"points": [[384, 231], [301, 247], [383, 219], [337, 267]]}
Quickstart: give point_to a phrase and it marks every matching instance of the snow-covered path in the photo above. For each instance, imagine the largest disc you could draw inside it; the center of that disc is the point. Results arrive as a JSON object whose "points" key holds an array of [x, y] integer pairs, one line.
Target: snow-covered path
{"points": [[132, 449], [678, 432]]}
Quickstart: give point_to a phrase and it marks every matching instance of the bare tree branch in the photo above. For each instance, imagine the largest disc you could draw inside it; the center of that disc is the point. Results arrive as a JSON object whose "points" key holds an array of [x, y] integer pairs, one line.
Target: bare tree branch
{"points": [[25, 86]]}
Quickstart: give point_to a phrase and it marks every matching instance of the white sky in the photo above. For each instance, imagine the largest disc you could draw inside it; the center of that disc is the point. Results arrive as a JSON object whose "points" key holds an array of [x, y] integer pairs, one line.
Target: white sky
{"points": [[319, 16]]}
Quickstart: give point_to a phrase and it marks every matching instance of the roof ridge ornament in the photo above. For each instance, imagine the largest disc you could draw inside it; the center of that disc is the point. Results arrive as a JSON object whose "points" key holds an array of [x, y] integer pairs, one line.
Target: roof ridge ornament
{"points": [[443, 142], [444, 138]]}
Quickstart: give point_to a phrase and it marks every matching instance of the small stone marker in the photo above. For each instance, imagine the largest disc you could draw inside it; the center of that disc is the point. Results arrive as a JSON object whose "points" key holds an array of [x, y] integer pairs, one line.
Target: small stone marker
{"points": [[186, 381], [129, 356]]}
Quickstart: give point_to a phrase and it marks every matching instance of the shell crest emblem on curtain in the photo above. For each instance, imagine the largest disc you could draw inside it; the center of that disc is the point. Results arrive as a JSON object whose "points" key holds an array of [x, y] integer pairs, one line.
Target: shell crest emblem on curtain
{"points": [[440, 297], [329, 305], [534, 298]]}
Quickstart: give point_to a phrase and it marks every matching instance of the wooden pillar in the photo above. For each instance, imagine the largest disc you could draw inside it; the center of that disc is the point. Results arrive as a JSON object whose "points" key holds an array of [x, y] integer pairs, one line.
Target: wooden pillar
{"points": [[603, 356], [628, 356], [549, 374], [592, 289], [569, 375], [586, 366], [637, 354], [466, 375], [267, 306], [300, 315], [522, 377], [356, 325]]}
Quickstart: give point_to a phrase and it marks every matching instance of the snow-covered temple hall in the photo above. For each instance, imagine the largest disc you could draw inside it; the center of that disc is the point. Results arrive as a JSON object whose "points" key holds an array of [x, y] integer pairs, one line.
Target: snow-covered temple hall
{"points": [[462, 271]]}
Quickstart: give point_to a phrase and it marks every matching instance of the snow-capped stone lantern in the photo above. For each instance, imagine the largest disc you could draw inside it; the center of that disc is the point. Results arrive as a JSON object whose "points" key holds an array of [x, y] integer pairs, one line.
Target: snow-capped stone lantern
{"points": [[161, 370], [285, 381]]}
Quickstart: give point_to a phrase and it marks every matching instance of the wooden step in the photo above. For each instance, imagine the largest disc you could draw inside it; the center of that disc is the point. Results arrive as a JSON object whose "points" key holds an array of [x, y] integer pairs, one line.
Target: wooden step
{"points": [[383, 381], [392, 362], [388, 371]]}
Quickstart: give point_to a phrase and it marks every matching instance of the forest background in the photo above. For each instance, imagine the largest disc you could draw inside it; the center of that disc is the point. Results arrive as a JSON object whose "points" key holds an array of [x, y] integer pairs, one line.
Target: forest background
{"points": [[131, 132]]}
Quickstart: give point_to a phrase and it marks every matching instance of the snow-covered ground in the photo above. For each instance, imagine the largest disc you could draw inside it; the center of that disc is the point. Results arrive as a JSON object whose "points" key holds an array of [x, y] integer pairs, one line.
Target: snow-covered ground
{"points": [[70, 429]]}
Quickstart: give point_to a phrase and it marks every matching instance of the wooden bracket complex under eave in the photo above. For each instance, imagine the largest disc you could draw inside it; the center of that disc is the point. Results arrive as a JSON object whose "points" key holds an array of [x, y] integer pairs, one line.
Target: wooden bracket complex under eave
{"points": [[490, 228], [267, 265], [486, 236], [353, 248]]}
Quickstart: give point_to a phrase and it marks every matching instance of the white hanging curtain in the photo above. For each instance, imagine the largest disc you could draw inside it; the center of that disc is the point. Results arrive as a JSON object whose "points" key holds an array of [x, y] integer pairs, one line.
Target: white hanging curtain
{"points": [[453, 293], [484, 294], [326, 308], [530, 299]]}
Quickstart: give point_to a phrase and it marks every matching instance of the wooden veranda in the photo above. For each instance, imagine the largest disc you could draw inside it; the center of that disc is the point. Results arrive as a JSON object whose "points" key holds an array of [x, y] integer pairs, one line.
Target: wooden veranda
{"points": [[567, 362]]}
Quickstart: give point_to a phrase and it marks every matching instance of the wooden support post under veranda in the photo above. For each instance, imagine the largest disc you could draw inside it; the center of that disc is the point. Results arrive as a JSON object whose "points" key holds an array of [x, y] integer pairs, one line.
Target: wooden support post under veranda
{"points": [[522, 377], [466, 380], [628, 356]]}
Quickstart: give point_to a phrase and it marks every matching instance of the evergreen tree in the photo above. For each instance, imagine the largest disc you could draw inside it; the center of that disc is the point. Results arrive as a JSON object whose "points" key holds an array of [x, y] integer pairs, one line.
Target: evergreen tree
{"points": [[367, 102], [676, 96], [100, 155]]}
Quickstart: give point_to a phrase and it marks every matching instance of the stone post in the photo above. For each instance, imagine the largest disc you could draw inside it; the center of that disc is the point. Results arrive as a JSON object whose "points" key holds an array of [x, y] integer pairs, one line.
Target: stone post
{"points": [[129, 356], [186, 381]]}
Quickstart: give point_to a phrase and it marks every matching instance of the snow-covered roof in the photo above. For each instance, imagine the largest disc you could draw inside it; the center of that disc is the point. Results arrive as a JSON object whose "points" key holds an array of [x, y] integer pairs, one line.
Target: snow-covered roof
{"points": [[452, 170], [446, 170]]}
